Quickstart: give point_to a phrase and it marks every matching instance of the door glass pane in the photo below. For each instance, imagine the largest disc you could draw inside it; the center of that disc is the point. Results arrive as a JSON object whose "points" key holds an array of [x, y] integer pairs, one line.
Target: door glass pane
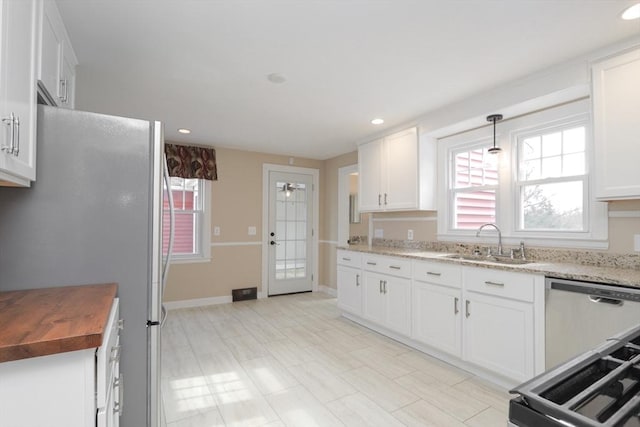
{"points": [[291, 226]]}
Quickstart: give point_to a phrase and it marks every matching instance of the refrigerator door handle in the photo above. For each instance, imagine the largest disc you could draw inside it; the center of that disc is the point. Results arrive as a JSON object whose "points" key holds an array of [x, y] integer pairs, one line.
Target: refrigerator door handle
{"points": [[165, 269]]}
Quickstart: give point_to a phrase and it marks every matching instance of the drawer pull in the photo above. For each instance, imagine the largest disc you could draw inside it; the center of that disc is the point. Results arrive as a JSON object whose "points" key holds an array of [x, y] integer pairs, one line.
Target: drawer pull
{"points": [[431, 273], [346, 259], [115, 353], [357, 280], [490, 283], [371, 263], [120, 324], [467, 303], [380, 287], [384, 286], [455, 305], [117, 407], [395, 267]]}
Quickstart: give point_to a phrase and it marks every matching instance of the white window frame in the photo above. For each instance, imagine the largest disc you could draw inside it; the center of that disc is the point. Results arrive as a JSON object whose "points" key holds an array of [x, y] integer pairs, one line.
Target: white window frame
{"points": [[507, 197], [202, 229]]}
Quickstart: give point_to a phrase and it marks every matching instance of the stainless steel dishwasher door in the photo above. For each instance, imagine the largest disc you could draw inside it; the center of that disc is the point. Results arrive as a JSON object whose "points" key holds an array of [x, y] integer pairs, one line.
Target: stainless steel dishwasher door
{"points": [[581, 315]]}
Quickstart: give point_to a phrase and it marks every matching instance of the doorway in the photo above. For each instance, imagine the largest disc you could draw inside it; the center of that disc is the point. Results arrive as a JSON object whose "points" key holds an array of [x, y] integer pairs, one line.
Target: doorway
{"points": [[290, 260]]}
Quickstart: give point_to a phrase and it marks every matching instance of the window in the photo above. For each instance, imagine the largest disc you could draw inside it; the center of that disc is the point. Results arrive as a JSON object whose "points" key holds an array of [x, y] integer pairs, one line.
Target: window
{"points": [[553, 184], [537, 190], [191, 219], [474, 184]]}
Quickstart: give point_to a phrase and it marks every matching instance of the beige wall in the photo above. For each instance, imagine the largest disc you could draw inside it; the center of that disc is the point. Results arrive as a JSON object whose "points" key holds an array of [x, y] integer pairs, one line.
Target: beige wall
{"points": [[236, 205]]}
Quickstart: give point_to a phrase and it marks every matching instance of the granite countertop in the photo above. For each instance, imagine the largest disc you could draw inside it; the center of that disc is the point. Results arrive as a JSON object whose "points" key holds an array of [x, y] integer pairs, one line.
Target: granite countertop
{"points": [[614, 275], [40, 322]]}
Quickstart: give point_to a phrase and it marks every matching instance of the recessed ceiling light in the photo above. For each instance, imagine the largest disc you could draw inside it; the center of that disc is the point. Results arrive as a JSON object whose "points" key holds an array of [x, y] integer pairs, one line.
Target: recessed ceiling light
{"points": [[377, 121], [276, 78], [632, 12], [184, 131]]}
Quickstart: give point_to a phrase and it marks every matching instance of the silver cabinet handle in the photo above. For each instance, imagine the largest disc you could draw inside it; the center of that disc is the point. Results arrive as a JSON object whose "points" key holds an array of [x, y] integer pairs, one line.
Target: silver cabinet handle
{"points": [[118, 382], [115, 353], [357, 280], [121, 324], [380, 287], [10, 121], [466, 307], [385, 199], [16, 148], [490, 283], [455, 306], [371, 263], [603, 300], [385, 287], [431, 273], [395, 267], [346, 259], [64, 90]]}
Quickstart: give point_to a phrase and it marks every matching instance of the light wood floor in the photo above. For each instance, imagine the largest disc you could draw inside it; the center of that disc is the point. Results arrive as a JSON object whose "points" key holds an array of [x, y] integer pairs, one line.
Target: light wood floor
{"points": [[293, 361]]}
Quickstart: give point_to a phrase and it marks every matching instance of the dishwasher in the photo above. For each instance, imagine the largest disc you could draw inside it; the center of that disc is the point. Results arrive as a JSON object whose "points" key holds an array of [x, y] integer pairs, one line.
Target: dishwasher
{"points": [[580, 315]]}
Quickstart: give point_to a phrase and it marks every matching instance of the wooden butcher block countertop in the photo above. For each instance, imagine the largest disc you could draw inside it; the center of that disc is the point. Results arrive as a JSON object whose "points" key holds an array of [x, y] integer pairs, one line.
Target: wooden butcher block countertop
{"points": [[39, 322]]}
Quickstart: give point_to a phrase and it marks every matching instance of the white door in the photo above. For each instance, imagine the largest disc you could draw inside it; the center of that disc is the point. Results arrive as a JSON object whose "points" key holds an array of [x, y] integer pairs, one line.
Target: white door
{"points": [[290, 232]]}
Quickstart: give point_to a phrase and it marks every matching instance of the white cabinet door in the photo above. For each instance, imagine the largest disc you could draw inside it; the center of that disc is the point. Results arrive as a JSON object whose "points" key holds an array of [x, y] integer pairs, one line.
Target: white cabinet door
{"points": [[437, 320], [498, 335], [616, 124], [369, 175], [18, 91], [401, 171], [58, 61], [349, 290], [374, 304], [397, 295]]}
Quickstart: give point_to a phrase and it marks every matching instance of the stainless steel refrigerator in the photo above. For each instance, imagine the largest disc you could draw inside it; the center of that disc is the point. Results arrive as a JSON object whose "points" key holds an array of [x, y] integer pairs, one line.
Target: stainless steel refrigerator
{"points": [[94, 215]]}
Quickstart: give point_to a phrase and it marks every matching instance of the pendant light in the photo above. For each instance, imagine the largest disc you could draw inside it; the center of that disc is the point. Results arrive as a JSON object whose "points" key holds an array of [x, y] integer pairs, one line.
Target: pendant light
{"points": [[494, 118]]}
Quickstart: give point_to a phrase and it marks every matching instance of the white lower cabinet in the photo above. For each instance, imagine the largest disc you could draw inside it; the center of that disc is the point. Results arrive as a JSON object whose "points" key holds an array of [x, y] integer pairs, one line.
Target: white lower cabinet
{"points": [[72, 389], [437, 320], [498, 335], [349, 282], [486, 320]]}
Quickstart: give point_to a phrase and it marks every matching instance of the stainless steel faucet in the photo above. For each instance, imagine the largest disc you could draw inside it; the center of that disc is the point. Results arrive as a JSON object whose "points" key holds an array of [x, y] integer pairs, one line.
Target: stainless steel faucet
{"points": [[490, 224]]}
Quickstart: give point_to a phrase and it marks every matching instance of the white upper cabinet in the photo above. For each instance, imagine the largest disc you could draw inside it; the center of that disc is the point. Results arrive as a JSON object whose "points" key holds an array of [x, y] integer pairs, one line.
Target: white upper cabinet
{"points": [[397, 173], [57, 68], [616, 124], [18, 58]]}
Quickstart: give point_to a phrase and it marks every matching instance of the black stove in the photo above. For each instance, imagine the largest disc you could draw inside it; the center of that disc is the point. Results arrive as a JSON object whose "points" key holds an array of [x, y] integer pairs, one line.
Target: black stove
{"points": [[599, 388]]}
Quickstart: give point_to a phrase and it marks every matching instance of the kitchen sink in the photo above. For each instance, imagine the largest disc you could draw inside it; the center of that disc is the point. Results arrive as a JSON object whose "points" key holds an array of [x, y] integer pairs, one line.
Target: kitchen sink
{"points": [[492, 259]]}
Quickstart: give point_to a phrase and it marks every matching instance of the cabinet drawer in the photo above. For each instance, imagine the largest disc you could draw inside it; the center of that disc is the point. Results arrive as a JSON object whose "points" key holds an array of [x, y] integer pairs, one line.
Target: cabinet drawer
{"points": [[505, 284], [349, 258], [438, 273], [387, 265], [108, 355]]}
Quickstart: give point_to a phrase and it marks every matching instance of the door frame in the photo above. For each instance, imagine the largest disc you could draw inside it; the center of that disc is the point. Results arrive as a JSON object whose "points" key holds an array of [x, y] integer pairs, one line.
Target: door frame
{"points": [[315, 180], [343, 202]]}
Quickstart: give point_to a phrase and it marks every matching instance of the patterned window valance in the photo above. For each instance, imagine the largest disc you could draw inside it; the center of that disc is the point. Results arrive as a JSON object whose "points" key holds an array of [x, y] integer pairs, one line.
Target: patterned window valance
{"points": [[187, 161]]}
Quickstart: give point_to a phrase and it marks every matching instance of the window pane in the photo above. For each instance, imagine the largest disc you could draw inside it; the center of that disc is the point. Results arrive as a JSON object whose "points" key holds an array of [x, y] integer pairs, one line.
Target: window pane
{"points": [[556, 206], [531, 148], [530, 170], [472, 209], [552, 144], [573, 140], [551, 167], [475, 168], [573, 164]]}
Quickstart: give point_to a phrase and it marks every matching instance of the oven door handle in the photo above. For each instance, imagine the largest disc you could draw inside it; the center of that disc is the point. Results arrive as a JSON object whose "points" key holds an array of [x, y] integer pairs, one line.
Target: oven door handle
{"points": [[603, 300]]}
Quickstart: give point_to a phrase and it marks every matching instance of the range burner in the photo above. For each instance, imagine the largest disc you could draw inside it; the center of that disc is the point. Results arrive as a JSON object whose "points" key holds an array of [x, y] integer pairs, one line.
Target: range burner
{"points": [[598, 388]]}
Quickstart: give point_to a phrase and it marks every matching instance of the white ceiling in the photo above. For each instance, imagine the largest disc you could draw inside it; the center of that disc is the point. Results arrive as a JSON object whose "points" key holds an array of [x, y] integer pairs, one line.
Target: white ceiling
{"points": [[203, 64]]}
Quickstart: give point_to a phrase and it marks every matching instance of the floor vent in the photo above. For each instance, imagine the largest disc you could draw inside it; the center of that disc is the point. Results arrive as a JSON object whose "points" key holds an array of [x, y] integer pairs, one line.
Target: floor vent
{"points": [[244, 294]]}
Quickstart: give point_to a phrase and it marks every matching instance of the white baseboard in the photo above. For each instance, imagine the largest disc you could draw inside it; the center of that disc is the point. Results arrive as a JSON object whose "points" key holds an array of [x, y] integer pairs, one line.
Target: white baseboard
{"points": [[201, 302], [327, 290]]}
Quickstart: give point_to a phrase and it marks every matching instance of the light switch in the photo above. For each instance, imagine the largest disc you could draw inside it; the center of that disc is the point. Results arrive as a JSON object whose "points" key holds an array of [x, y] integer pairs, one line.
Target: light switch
{"points": [[378, 233], [409, 234], [636, 242], [252, 231], [216, 231]]}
